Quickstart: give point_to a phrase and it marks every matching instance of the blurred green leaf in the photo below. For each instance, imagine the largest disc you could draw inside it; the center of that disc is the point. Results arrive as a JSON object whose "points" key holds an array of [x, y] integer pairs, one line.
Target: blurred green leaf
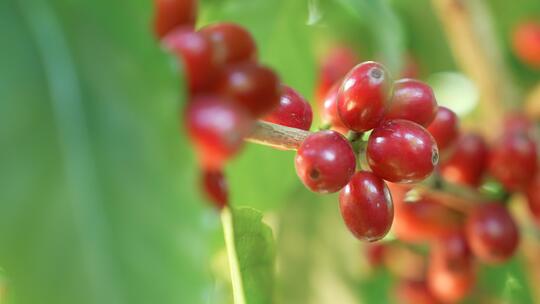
{"points": [[250, 247]]}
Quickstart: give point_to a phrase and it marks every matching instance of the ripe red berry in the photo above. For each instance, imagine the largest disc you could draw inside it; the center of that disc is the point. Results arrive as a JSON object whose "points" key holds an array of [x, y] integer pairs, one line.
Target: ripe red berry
{"points": [[401, 151], [444, 128], [195, 51], [468, 161], [325, 162], [334, 66], [170, 14], [255, 88], [414, 292], [366, 206], [293, 111], [451, 272], [513, 160], [363, 96], [232, 42], [423, 220], [412, 100], [215, 187], [526, 43], [328, 110], [533, 198], [217, 129], [492, 233]]}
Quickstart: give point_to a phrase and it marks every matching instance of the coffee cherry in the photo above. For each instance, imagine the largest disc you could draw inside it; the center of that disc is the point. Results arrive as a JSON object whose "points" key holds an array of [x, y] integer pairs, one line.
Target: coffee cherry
{"points": [[231, 42], [492, 233], [526, 43], [412, 100], [363, 96], [444, 128], [533, 198], [423, 220], [293, 111], [468, 161], [255, 88], [325, 162], [215, 187], [334, 66], [451, 272], [401, 151], [170, 14], [410, 291], [328, 110], [513, 160], [217, 129], [195, 51], [366, 206]]}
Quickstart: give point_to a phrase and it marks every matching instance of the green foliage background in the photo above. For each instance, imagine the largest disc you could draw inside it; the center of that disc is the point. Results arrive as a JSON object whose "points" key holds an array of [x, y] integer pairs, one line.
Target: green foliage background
{"points": [[98, 185]]}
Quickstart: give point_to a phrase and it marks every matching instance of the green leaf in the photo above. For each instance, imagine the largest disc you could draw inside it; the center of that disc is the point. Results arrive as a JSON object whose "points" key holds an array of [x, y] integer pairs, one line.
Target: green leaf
{"points": [[250, 248]]}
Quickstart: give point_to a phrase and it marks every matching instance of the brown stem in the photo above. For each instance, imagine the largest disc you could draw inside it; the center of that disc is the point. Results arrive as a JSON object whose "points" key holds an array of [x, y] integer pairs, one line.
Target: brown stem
{"points": [[276, 136]]}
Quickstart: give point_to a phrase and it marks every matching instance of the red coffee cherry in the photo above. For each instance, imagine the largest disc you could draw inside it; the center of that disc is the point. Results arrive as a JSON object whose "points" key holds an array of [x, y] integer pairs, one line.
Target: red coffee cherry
{"points": [[451, 274], [410, 291], [513, 160], [195, 52], [533, 198], [325, 162], [328, 110], [526, 43], [231, 42], [492, 233], [334, 66], [444, 128], [293, 111], [423, 220], [215, 187], [170, 14], [412, 100], [401, 151], [468, 162], [217, 129], [366, 206], [363, 96], [255, 88]]}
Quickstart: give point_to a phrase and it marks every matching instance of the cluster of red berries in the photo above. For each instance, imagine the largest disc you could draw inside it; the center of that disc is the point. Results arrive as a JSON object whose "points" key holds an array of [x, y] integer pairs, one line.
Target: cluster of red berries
{"points": [[526, 43], [228, 89]]}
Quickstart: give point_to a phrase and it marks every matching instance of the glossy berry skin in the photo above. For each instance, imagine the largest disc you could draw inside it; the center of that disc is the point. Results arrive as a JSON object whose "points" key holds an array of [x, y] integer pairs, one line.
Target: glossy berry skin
{"points": [[533, 198], [451, 274], [328, 109], [170, 14], [526, 43], [334, 66], [423, 220], [325, 162], [195, 52], [253, 87], [468, 161], [366, 206], [513, 160], [444, 128], [217, 129], [215, 187], [492, 233], [412, 100], [401, 151], [363, 96], [293, 111], [231, 42]]}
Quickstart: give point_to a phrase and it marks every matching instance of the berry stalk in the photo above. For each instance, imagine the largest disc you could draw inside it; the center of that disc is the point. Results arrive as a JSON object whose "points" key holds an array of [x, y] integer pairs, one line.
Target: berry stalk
{"points": [[277, 136]]}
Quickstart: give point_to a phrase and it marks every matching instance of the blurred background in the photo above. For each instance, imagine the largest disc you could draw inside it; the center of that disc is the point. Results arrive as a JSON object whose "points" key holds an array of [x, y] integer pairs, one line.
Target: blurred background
{"points": [[98, 184]]}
